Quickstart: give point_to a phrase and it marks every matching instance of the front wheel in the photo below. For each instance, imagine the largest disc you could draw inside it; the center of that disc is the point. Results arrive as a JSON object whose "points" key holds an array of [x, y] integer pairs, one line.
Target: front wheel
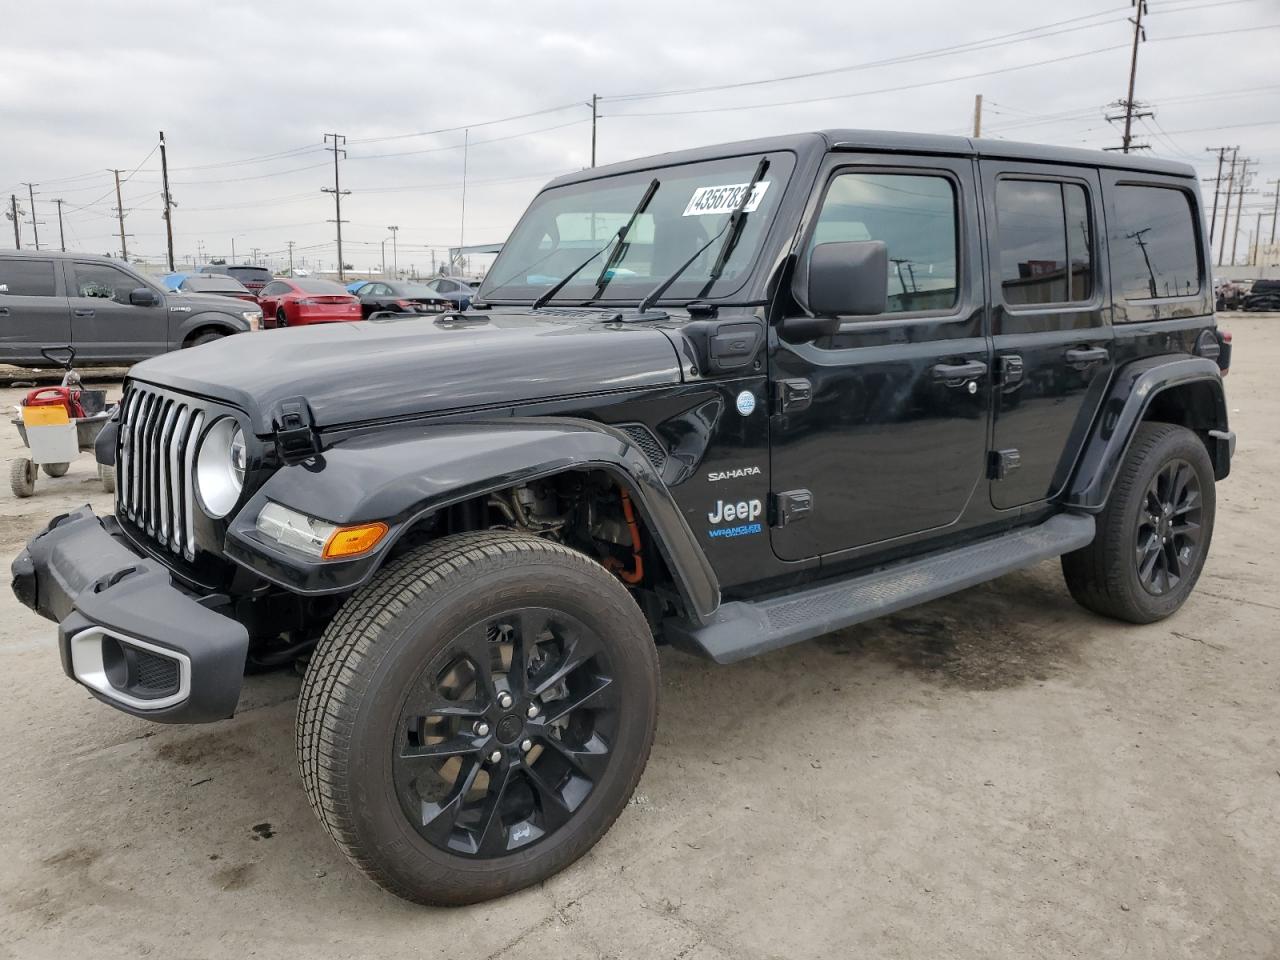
{"points": [[476, 717], [1153, 536]]}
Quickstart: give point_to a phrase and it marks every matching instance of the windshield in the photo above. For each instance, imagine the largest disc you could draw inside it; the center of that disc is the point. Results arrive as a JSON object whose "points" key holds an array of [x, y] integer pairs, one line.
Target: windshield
{"points": [[564, 225]]}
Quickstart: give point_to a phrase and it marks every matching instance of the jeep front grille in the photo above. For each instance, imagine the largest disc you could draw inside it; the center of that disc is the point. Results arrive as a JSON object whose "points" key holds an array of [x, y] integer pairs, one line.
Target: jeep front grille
{"points": [[157, 447]]}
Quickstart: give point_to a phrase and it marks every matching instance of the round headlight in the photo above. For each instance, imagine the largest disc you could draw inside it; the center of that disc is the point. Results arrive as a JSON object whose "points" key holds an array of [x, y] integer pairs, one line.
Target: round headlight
{"points": [[220, 466]]}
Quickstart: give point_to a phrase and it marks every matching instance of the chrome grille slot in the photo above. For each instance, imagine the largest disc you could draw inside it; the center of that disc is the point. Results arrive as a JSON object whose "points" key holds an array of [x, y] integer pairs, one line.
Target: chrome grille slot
{"points": [[156, 454]]}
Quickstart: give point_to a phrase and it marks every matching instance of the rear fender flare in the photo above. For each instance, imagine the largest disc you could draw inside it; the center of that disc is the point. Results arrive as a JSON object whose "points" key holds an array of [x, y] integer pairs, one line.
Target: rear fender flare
{"points": [[402, 474], [1129, 399]]}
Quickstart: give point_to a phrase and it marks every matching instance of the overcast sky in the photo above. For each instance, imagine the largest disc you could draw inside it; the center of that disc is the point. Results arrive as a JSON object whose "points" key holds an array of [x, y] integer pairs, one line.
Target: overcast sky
{"points": [[245, 91]]}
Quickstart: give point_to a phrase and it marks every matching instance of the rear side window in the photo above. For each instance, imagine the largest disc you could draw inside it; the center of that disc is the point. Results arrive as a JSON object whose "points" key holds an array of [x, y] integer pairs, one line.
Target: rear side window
{"points": [[26, 278], [1045, 239], [250, 274], [915, 216], [1154, 251]]}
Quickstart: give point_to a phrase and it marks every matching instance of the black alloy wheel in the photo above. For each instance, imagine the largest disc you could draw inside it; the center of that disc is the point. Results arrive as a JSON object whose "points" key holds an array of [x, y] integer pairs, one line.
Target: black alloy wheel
{"points": [[1168, 536], [505, 734], [282, 319]]}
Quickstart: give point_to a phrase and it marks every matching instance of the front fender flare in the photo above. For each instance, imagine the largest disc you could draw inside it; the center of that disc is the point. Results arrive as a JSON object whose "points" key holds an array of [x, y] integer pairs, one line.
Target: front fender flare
{"points": [[401, 474], [1128, 400], [190, 323]]}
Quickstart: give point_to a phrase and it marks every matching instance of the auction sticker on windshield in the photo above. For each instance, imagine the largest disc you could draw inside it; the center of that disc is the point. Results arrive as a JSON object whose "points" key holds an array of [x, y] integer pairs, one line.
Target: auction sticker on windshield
{"points": [[712, 200]]}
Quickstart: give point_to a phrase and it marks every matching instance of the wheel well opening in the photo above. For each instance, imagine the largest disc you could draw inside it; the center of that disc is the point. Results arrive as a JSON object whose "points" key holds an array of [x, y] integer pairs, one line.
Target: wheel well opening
{"points": [[200, 331], [1199, 406], [592, 511]]}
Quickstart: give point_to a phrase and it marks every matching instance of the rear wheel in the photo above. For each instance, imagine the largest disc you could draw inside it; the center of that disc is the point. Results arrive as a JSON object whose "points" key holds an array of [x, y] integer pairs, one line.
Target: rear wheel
{"points": [[282, 320], [22, 477], [55, 469], [1154, 533], [476, 718]]}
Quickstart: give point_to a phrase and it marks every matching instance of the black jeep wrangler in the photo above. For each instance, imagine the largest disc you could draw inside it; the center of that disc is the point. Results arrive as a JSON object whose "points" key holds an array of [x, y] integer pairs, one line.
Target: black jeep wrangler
{"points": [[727, 399]]}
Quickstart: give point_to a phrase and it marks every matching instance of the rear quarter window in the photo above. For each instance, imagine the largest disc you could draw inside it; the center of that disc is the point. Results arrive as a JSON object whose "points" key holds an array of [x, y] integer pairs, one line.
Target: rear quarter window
{"points": [[1155, 250], [27, 278]]}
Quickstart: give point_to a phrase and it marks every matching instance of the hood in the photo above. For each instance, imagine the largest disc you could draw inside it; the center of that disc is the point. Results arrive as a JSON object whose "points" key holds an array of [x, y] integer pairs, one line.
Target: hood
{"points": [[414, 365], [205, 302]]}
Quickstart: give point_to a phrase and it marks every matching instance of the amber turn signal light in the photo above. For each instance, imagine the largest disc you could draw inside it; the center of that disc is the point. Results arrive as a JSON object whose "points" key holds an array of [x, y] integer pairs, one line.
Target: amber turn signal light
{"points": [[350, 541]]}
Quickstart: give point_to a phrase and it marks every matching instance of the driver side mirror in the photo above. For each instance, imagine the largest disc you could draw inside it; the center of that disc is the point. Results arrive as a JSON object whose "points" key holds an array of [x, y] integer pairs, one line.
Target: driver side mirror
{"points": [[846, 279], [849, 279], [144, 297]]}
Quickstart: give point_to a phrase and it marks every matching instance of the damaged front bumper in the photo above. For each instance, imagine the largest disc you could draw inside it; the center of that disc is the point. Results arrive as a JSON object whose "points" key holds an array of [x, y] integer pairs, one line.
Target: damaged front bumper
{"points": [[126, 630]]}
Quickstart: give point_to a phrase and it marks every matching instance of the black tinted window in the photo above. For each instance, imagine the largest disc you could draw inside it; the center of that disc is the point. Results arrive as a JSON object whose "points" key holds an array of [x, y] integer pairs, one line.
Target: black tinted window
{"points": [[100, 281], [26, 278], [1154, 251], [915, 215], [1045, 242], [252, 274]]}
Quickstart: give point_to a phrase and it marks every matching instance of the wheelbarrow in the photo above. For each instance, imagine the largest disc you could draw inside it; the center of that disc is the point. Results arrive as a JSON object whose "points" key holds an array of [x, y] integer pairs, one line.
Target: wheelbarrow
{"points": [[56, 424]]}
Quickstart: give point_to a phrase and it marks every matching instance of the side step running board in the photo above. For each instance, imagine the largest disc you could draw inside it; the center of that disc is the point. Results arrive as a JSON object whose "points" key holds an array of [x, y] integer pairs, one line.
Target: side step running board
{"points": [[741, 629]]}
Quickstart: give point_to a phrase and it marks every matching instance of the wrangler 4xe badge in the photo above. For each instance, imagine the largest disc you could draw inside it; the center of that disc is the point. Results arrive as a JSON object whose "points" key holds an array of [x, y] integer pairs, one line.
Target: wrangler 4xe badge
{"points": [[744, 510]]}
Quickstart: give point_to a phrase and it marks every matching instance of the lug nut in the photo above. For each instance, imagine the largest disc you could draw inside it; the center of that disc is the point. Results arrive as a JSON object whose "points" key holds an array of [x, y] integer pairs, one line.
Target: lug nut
{"points": [[532, 711], [526, 745], [495, 756], [504, 700], [482, 729]]}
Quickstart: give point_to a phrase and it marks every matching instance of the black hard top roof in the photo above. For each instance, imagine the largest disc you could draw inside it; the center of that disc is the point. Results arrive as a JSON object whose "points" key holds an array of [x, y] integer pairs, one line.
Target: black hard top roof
{"points": [[883, 141]]}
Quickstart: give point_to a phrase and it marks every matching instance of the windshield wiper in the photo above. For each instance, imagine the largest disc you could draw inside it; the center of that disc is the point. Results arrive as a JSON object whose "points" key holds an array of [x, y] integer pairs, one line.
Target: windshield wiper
{"points": [[605, 277], [733, 225], [616, 238]]}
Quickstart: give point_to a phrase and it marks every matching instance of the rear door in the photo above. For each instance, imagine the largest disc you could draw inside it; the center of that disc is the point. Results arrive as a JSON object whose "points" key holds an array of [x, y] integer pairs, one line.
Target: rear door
{"points": [[33, 308], [105, 325], [1051, 323]]}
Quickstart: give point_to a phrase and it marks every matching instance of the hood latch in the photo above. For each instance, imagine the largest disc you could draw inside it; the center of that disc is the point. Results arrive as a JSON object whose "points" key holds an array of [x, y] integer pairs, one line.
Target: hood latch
{"points": [[295, 431]]}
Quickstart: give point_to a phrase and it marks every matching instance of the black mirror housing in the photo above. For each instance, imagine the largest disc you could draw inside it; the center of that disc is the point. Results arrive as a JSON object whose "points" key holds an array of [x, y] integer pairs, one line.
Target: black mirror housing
{"points": [[849, 279], [144, 297]]}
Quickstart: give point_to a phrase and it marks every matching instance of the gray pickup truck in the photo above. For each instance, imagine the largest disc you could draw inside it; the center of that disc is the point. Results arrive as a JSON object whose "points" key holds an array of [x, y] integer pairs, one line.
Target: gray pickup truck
{"points": [[107, 311]]}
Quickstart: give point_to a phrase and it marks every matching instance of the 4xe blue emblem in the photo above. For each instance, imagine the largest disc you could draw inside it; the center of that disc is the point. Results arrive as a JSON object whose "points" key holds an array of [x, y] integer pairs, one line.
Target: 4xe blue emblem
{"points": [[746, 403]]}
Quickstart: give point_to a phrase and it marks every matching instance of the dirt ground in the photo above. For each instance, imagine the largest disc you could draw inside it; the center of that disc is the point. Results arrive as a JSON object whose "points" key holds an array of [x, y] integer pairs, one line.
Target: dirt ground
{"points": [[997, 774]]}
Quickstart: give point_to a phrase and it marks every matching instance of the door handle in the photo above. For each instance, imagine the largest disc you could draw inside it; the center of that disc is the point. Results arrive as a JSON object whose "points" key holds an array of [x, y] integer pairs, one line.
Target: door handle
{"points": [[956, 373], [84, 313], [1081, 357]]}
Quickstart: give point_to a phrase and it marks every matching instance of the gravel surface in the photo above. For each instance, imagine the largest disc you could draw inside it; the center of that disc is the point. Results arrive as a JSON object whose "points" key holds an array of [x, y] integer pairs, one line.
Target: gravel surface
{"points": [[996, 774]]}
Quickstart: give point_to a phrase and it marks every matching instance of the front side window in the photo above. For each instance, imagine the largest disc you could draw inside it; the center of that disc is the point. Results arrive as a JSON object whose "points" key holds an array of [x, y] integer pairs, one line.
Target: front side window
{"points": [[26, 278], [915, 216], [1154, 252], [100, 281], [691, 204], [1045, 246]]}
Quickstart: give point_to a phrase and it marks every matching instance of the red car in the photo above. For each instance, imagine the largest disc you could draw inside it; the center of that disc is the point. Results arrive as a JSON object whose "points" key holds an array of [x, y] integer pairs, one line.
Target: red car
{"points": [[294, 303]]}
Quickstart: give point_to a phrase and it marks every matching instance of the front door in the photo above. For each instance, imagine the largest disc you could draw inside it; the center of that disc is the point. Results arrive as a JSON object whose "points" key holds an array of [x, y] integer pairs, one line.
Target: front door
{"points": [[892, 439], [1050, 323], [105, 325], [33, 309]]}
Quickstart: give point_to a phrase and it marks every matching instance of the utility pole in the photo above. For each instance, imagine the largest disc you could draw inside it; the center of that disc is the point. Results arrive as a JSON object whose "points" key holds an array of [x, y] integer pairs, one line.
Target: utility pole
{"points": [[1275, 210], [1138, 35], [124, 250], [1226, 210], [62, 240], [395, 259], [338, 193], [253, 252], [168, 201], [462, 220], [31, 196], [233, 249], [595, 115], [977, 116], [290, 244], [1257, 240], [1217, 189], [1244, 182], [13, 215], [383, 246]]}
